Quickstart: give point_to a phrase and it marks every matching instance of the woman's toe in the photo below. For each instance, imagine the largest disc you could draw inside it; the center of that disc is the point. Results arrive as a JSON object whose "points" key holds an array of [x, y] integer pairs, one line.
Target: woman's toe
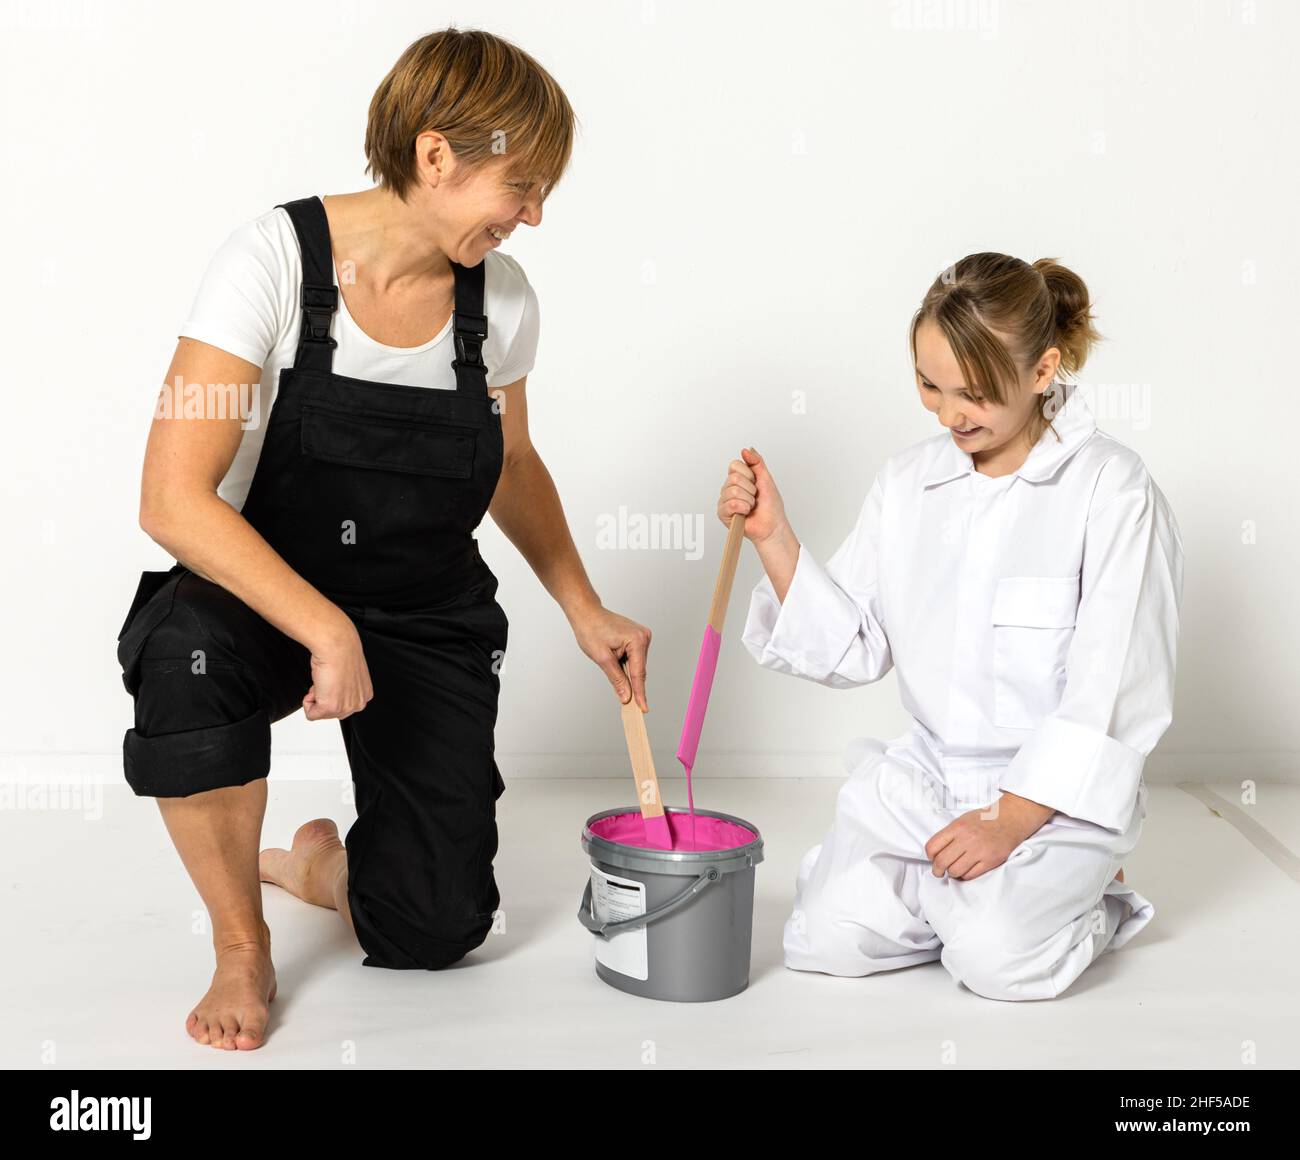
{"points": [[251, 1035]]}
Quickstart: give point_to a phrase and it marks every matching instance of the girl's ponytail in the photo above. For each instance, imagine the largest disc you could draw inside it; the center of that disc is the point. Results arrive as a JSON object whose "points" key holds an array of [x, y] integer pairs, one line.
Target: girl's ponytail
{"points": [[1072, 313]]}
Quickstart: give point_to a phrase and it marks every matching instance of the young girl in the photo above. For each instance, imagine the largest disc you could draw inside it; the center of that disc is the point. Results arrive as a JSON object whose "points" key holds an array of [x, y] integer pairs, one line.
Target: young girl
{"points": [[1022, 574]]}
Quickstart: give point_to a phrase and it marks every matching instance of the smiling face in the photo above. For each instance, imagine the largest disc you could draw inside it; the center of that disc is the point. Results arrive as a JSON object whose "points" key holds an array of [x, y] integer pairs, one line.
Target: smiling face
{"points": [[475, 208], [991, 432]]}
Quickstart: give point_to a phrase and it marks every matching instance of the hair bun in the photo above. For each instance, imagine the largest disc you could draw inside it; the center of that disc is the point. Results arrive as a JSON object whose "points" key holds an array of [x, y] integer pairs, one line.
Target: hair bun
{"points": [[1072, 310]]}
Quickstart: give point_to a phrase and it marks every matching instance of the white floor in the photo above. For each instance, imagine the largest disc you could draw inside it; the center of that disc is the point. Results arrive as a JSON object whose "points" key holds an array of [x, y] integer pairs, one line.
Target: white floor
{"points": [[105, 953]]}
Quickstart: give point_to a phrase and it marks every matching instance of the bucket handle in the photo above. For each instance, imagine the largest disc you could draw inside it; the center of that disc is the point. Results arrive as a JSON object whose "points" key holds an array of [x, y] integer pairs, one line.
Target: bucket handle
{"points": [[606, 929]]}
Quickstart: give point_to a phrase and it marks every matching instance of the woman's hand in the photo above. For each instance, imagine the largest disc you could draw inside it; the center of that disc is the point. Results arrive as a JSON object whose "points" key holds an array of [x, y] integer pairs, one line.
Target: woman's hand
{"points": [[340, 678], [750, 490], [981, 840], [606, 636]]}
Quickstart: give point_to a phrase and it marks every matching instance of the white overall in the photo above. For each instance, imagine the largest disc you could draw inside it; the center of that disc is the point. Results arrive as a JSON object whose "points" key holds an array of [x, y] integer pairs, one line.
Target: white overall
{"points": [[1031, 620]]}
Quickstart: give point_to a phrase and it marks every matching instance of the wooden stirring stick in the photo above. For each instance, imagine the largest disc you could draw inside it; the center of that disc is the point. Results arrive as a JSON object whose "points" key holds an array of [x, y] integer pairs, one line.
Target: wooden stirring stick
{"points": [[657, 833]]}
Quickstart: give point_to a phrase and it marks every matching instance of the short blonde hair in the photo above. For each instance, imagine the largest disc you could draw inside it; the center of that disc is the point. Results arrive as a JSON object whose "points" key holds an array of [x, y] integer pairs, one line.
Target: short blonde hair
{"points": [[484, 94]]}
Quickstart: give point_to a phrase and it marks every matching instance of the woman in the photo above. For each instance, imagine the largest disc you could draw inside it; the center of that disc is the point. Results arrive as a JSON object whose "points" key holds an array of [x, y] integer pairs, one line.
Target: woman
{"points": [[1022, 573], [325, 554]]}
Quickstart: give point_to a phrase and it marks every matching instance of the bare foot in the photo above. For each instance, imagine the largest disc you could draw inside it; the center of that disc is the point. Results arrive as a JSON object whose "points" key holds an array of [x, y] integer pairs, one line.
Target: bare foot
{"points": [[233, 1014], [1119, 875], [298, 870]]}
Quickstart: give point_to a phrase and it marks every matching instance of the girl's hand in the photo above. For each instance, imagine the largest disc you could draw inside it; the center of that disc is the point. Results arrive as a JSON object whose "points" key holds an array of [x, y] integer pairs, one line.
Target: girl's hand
{"points": [[750, 490], [340, 679], [981, 840], [606, 636]]}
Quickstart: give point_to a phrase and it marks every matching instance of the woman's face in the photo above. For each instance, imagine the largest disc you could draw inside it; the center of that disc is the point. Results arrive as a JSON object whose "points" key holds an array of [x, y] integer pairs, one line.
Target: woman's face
{"points": [[977, 426], [480, 206]]}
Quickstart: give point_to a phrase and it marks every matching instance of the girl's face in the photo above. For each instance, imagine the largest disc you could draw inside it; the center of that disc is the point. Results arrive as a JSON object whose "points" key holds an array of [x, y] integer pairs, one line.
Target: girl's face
{"points": [[477, 208], [977, 426]]}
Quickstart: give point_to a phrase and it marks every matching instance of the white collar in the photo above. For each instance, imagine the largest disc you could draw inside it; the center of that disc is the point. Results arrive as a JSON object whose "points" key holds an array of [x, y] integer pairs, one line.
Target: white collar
{"points": [[1074, 423]]}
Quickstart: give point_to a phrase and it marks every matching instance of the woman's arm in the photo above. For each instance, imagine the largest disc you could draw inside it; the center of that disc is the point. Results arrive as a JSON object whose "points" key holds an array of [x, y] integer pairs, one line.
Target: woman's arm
{"points": [[527, 509], [186, 458]]}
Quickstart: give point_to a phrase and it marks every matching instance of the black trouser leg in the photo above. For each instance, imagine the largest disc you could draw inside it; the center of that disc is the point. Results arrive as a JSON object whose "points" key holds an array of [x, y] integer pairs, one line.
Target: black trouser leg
{"points": [[420, 880]]}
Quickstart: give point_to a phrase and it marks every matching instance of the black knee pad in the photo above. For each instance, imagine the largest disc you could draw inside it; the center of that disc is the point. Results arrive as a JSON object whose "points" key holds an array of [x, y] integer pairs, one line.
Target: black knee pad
{"points": [[196, 760], [431, 943], [199, 720]]}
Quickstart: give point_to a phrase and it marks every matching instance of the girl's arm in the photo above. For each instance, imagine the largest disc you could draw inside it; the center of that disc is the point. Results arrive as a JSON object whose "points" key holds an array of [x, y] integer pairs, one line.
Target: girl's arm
{"points": [[779, 555], [1086, 758], [823, 624]]}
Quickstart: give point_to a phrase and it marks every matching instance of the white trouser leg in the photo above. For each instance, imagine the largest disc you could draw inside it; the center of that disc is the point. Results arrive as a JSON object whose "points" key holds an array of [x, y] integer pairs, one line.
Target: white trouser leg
{"points": [[857, 908], [866, 899], [1029, 928]]}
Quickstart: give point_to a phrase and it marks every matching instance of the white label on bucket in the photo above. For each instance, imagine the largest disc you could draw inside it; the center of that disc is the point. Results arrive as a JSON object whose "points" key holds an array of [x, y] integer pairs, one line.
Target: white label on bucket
{"points": [[612, 900]]}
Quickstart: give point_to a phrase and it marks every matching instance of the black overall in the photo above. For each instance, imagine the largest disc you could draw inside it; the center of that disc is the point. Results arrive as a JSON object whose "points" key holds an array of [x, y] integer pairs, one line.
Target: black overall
{"points": [[371, 492]]}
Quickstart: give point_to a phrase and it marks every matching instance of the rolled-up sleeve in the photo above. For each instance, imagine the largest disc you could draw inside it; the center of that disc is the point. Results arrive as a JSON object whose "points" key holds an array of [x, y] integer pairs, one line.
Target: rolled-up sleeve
{"points": [[830, 628], [1086, 758]]}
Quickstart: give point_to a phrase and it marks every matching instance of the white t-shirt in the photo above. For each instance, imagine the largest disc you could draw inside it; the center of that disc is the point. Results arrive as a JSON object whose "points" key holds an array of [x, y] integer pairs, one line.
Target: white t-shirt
{"points": [[248, 305]]}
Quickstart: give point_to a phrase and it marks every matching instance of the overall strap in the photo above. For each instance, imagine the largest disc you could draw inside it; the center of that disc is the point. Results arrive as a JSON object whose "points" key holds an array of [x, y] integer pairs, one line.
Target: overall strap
{"points": [[470, 326], [319, 297]]}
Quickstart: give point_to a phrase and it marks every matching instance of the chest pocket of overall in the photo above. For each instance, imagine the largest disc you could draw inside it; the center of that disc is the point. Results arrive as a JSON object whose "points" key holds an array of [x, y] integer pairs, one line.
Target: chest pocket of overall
{"points": [[388, 443], [1033, 625], [417, 469]]}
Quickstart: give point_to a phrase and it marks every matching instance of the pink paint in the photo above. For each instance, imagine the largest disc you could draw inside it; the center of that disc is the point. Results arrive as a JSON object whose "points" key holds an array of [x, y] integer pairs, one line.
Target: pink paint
{"points": [[710, 833], [656, 832], [705, 668]]}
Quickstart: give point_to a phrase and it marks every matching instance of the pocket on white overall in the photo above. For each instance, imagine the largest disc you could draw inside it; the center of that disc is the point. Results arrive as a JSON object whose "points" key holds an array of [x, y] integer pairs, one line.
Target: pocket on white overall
{"points": [[1033, 625]]}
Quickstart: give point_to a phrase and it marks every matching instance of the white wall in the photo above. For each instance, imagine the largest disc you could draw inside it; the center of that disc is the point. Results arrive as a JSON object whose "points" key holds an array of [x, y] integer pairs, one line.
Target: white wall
{"points": [[760, 195]]}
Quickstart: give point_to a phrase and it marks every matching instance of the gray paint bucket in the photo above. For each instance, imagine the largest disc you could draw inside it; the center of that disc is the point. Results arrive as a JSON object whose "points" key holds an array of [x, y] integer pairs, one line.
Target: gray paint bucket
{"points": [[672, 924]]}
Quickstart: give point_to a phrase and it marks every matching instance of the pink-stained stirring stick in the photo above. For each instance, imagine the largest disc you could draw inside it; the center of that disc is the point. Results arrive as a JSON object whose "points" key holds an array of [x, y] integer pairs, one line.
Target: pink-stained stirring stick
{"points": [[650, 800], [707, 665]]}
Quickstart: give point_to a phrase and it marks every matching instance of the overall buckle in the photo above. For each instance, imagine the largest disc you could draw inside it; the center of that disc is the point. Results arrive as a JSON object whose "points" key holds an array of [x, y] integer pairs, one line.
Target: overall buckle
{"points": [[318, 306], [470, 332]]}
